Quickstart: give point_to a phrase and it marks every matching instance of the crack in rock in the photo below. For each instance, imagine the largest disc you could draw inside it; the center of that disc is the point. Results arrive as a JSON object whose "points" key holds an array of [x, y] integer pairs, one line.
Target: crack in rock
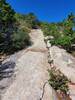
{"points": [[43, 90]]}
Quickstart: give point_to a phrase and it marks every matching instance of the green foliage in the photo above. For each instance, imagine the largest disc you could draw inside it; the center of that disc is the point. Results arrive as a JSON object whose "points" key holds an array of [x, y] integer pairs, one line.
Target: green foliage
{"points": [[7, 24], [58, 81], [64, 41], [63, 32], [29, 20], [32, 21], [46, 28], [20, 40], [50, 29], [13, 29]]}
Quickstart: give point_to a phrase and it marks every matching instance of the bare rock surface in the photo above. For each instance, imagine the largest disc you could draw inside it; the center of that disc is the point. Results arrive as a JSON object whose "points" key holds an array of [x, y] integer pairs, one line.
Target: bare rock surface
{"points": [[65, 62], [30, 73]]}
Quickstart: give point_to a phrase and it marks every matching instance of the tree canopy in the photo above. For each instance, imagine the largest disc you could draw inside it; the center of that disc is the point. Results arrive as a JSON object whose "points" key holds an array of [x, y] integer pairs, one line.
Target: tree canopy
{"points": [[63, 32]]}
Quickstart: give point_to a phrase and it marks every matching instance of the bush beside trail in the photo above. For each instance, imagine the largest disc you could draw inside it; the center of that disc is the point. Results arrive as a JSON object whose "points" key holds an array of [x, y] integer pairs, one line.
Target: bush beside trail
{"points": [[15, 28], [63, 32]]}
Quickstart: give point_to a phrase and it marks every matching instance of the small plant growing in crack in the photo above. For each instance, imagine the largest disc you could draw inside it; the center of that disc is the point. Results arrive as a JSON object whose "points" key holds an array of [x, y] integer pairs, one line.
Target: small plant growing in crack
{"points": [[58, 81]]}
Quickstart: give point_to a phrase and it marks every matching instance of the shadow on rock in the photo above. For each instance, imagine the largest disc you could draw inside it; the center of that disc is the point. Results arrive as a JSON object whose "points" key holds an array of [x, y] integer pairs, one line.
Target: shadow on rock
{"points": [[6, 69]]}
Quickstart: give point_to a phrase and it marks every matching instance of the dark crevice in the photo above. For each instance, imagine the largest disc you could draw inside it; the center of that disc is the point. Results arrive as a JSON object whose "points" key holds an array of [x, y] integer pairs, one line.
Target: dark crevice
{"points": [[43, 90]]}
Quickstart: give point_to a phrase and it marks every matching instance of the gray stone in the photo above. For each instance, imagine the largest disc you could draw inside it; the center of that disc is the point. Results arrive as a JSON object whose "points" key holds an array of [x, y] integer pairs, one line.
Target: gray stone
{"points": [[32, 73]]}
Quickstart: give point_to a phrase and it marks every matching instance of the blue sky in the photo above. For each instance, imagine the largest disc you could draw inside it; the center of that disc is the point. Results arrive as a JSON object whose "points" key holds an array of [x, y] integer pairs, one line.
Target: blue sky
{"points": [[46, 10]]}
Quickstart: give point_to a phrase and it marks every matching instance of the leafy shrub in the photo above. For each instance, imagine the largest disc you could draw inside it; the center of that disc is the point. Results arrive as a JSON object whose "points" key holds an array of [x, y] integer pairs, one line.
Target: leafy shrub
{"points": [[58, 81], [28, 20], [63, 32], [20, 40], [14, 28], [46, 28], [7, 24], [64, 41]]}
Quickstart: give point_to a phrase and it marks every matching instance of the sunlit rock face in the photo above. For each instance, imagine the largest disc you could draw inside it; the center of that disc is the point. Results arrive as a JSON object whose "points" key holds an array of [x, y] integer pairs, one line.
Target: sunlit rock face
{"points": [[66, 64], [64, 61], [31, 81]]}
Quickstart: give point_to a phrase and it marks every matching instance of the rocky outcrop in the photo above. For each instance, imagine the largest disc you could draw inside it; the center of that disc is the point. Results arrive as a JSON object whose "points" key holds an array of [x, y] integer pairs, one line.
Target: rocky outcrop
{"points": [[31, 81], [65, 62]]}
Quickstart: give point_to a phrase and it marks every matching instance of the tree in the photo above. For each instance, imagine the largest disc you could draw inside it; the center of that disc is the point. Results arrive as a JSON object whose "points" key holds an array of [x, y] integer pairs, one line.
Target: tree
{"points": [[31, 20], [63, 32], [7, 24], [20, 40], [71, 17]]}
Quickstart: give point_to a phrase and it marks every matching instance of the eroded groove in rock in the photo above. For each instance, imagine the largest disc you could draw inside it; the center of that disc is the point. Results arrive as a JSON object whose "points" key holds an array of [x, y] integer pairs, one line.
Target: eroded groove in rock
{"points": [[43, 90]]}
